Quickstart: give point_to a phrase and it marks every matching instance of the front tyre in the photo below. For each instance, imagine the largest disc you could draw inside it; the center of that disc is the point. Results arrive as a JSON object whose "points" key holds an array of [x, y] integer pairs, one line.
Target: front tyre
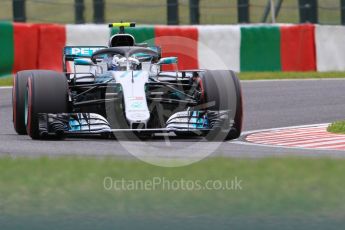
{"points": [[47, 92], [222, 98], [20, 81]]}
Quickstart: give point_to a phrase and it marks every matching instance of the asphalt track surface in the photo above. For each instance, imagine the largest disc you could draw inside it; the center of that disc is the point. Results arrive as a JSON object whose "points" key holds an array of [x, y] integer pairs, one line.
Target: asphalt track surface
{"points": [[267, 104]]}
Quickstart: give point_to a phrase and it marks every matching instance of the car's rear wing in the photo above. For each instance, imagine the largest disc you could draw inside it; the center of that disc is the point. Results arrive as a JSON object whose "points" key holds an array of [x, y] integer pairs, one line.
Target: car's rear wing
{"points": [[73, 52]]}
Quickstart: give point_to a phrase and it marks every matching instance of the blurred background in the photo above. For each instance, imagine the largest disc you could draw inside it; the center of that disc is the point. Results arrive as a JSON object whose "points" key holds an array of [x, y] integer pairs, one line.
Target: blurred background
{"points": [[174, 12]]}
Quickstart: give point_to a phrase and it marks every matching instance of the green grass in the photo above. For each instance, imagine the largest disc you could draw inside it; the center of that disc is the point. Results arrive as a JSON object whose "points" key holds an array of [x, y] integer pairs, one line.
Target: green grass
{"points": [[337, 127], [69, 186], [6, 81]]}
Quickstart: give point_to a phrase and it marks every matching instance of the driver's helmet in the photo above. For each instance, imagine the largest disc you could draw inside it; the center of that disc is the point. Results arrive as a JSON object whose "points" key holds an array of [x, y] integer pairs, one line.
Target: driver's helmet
{"points": [[120, 63]]}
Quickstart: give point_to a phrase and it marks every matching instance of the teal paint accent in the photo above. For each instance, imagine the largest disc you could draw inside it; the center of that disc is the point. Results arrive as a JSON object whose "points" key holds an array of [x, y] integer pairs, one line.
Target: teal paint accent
{"points": [[80, 61], [167, 61]]}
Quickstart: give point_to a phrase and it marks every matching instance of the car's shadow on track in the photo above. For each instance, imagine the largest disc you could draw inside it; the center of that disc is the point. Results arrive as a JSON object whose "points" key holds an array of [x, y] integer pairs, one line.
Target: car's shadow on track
{"points": [[135, 139], [99, 138]]}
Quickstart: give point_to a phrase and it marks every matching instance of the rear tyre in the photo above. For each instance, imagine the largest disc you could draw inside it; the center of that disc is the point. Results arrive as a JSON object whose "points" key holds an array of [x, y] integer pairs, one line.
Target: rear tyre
{"points": [[222, 92], [236, 129], [20, 81], [47, 92]]}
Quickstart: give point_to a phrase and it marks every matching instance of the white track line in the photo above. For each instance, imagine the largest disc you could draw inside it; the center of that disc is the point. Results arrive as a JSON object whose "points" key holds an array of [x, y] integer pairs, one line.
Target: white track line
{"points": [[5, 87]]}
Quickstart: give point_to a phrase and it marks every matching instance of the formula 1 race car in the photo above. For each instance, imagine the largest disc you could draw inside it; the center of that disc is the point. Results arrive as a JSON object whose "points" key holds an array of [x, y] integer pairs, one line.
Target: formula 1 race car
{"points": [[121, 90]]}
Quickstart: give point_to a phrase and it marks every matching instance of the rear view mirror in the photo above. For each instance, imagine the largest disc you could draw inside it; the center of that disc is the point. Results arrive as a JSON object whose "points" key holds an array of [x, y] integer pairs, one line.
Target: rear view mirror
{"points": [[167, 60]]}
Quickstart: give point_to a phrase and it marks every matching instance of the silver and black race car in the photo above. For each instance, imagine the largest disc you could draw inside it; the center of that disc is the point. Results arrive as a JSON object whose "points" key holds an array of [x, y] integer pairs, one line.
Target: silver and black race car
{"points": [[121, 91]]}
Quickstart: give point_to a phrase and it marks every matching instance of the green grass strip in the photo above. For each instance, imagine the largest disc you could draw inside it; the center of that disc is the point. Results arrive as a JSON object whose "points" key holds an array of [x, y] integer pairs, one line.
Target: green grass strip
{"points": [[74, 186], [337, 127], [6, 81]]}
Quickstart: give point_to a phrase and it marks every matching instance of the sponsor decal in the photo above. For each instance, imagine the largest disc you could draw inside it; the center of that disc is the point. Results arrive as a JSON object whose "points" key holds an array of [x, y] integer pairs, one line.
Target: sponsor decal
{"points": [[136, 105], [84, 52]]}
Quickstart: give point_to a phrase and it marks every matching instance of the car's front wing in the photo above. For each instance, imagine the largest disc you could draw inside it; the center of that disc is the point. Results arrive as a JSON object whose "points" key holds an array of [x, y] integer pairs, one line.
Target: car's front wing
{"points": [[91, 123]]}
